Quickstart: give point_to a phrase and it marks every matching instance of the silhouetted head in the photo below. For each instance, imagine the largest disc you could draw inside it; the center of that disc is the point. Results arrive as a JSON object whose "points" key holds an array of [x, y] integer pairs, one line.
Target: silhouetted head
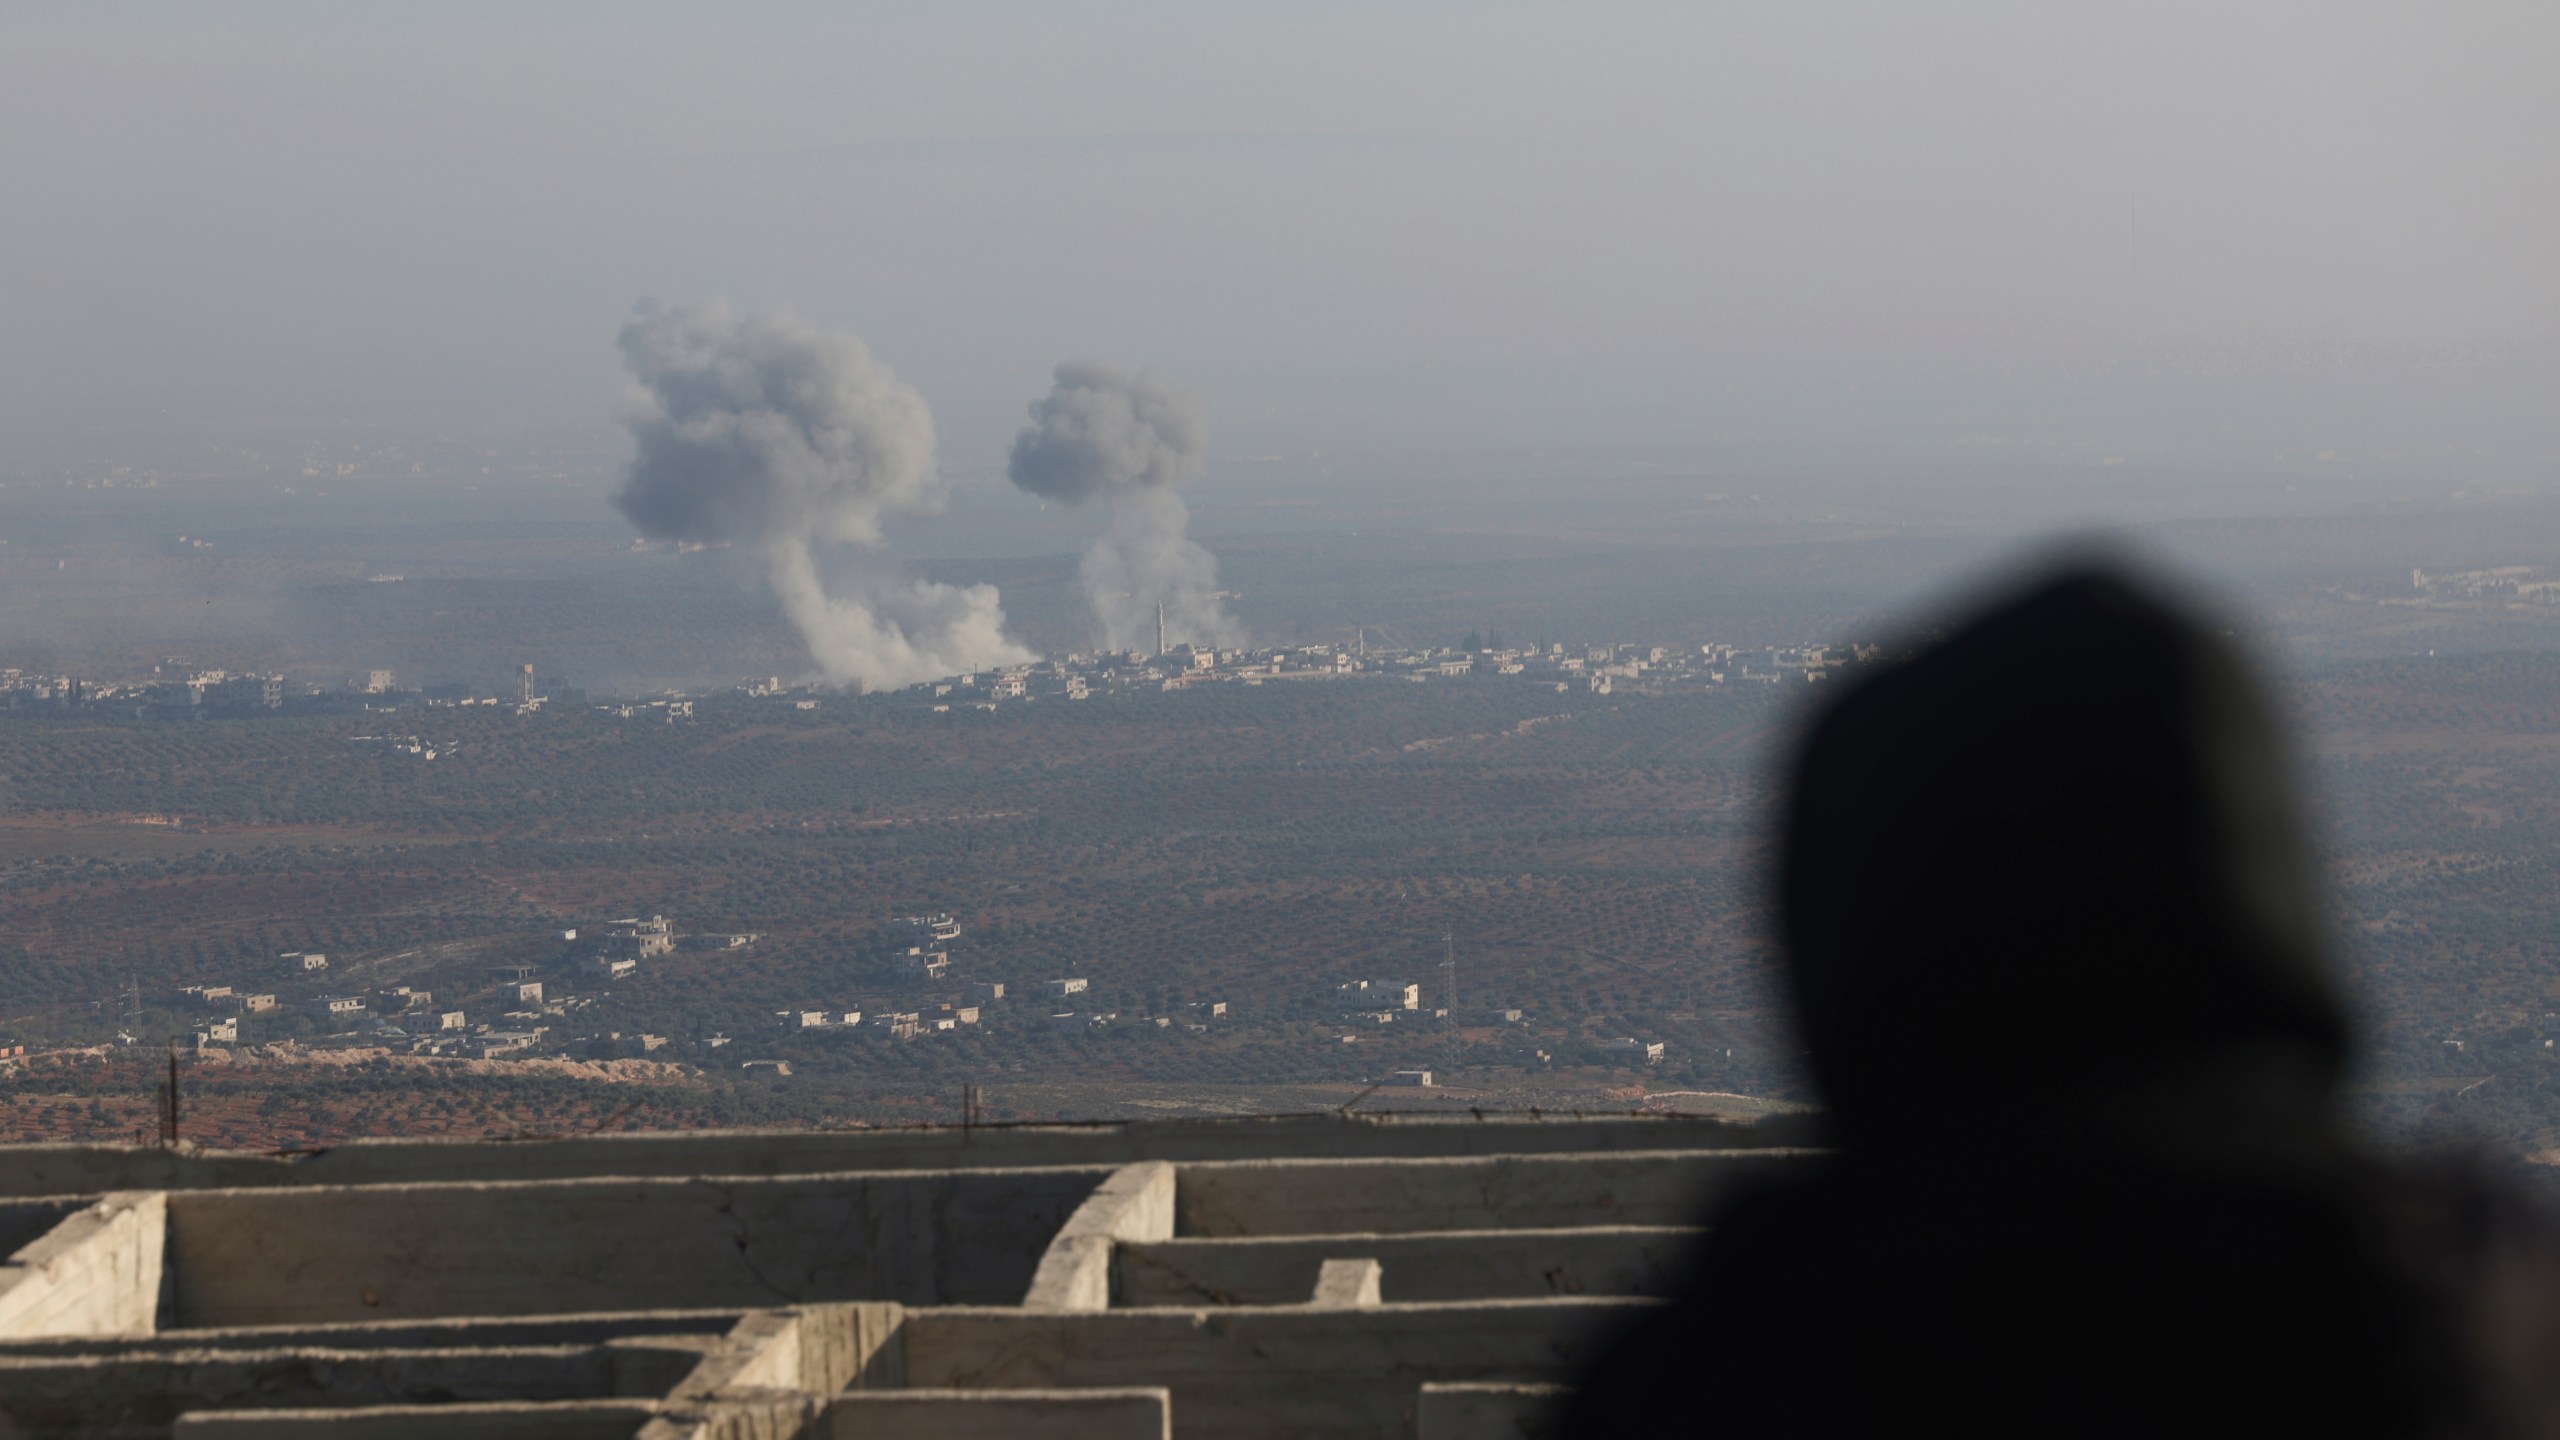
{"points": [[2054, 852]]}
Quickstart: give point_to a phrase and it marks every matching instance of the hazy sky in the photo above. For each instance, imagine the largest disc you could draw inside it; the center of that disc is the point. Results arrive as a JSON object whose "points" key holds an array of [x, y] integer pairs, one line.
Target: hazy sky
{"points": [[1334, 221]]}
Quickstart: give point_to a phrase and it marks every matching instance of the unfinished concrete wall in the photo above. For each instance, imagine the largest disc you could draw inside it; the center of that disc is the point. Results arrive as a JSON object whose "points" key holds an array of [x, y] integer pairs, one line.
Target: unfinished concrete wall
{"points": [[145, 1394], [1136, 1203], [466, 1332], [30, 1170], [511, 1420], [24, 1221], [1314, 1197], [96, 1272], [301, 1256], [1431, 1266], [1279, 1371], [1122, 1414]]}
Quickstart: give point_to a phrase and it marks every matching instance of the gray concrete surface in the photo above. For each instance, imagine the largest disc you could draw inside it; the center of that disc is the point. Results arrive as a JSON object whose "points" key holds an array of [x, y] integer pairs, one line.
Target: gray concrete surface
{"points": [[798, 1300], [463, 1332], [1266, 1371], [63, 1169], [1424, 1267], [144, 1394], [308, 1255], [1317, 1197], [1346, 1284], [98, 1271], [509, 1420], [1136, 1203], [1129, 1413]]}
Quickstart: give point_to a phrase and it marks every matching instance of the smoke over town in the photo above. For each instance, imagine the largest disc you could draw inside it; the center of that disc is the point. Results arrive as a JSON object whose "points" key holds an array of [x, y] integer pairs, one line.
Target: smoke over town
{"points": [[1129, 441], [770, 432]]}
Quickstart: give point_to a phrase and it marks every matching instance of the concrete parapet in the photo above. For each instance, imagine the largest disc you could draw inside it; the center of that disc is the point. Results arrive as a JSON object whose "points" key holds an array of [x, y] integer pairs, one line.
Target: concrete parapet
{"points": [[1346, 1284], [1136, 1203], [462, 1333], [1426, 1267], [146, 1393], [304, 1256], [1266, 1371], [559, 1420], [1129, 1413], [824, 1348], [768, 1415], [853, 1347], [1490, 1412], [96, 1272], [69, 1169], [1317, 1197]]}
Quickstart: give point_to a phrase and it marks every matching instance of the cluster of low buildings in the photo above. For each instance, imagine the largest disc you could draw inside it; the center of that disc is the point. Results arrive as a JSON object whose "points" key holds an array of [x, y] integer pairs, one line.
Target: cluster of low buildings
{"points": [[187, 694], [1604, 669], [2503, 582], [517, 1012]]}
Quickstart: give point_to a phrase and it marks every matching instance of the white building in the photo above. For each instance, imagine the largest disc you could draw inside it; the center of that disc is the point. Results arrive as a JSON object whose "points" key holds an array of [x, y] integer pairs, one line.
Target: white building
{"points": [[1069, 986], [1378, 995]]}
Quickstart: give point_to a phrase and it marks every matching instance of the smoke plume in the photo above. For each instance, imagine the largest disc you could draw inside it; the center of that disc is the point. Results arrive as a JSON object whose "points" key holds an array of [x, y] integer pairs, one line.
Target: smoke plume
{"points": [[1129, 441], [768, 431]]}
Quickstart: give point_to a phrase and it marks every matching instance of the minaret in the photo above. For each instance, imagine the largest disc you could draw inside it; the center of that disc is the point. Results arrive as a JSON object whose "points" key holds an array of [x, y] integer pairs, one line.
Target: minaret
{"points": [[1159, 627]]}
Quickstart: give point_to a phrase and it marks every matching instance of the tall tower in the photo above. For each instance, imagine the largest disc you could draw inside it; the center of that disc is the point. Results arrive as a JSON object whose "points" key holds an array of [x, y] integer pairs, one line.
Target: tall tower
{"points": [[525, 673], [1159, 627]]}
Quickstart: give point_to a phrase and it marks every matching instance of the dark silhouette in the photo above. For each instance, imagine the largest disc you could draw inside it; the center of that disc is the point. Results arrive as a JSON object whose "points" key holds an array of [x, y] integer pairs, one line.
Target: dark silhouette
{"points": [[2057, 951]]}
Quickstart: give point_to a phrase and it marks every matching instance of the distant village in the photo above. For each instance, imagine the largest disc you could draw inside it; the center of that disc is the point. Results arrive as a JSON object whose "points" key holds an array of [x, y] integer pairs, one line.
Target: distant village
{"points": [[1595, 668], [523, 1009]]}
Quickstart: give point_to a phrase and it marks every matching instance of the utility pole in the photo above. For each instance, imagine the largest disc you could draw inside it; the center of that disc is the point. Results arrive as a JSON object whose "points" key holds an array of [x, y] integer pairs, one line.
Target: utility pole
{"points": [[1449, 962], [169, 1101]]}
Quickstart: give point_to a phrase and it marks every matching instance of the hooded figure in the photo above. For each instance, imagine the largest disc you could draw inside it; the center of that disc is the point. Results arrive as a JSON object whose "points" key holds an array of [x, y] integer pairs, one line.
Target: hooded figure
{"points": [[2055, 945]]}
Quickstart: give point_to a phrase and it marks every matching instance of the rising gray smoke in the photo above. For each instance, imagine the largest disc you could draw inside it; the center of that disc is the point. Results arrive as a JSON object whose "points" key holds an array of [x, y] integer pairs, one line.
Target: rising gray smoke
{"points": [[768, 431], [1129, 441]]}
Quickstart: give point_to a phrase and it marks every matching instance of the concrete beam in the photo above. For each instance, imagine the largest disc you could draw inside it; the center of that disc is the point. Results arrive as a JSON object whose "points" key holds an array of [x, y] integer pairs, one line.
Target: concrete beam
{"points": [[321, 1255], [1346, 1285], [1319, 1197], [1267, 1371], [1432, 1266], [1136, 1203], [96, 1272], [1491, 1412]]}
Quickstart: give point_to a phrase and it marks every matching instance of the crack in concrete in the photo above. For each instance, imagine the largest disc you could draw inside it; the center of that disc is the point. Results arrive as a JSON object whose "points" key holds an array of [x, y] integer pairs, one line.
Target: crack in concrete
{"points": [[727, 1210], [1184, 1279]]}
